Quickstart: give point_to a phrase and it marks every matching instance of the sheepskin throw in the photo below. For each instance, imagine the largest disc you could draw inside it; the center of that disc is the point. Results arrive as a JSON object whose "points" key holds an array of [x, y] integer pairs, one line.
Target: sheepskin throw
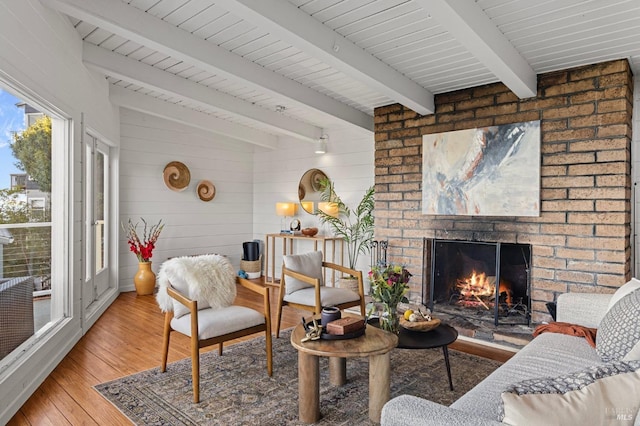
{"points": [[210, 279]]}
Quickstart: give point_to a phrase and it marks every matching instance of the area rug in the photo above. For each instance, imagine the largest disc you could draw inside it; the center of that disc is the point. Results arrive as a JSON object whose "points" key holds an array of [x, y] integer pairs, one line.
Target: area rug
{"points": [[235, 388]]}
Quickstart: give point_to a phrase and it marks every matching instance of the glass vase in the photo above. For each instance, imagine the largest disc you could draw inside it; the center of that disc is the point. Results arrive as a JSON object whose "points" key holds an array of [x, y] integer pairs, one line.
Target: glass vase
{"points": [[389, 320]]}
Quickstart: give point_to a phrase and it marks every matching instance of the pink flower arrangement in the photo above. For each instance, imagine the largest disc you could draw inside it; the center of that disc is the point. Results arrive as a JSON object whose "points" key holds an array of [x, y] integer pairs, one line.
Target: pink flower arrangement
{"points": [[389, 283], [143, 249]]}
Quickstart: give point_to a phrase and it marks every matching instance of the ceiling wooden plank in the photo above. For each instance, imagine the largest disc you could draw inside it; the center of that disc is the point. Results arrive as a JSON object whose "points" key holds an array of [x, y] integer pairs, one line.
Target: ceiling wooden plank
{"points": [[138, 26], [187, 11], [468, 23], [202, 18], [143, 103], [136, 72], [311, 36]]}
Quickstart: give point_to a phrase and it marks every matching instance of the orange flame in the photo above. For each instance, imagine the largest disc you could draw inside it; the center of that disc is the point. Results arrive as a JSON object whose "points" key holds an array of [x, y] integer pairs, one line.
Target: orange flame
{"points": [[476, 285]]}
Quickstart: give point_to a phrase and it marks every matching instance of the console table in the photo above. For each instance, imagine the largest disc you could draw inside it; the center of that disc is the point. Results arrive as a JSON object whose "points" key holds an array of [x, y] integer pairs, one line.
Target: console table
{"points": [[287, 248]]}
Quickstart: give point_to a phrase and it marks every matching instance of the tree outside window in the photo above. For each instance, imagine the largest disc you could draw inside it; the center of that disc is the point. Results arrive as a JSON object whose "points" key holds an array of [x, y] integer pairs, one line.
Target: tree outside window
{"points": [[28, 201]]}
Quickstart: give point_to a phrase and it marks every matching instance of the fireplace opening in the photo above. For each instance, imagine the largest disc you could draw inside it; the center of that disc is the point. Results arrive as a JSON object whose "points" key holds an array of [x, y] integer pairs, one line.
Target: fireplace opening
{"points": [[478, 280]]}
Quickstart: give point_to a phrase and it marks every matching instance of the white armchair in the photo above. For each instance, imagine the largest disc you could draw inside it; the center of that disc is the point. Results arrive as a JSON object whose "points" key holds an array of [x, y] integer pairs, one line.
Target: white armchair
{"points": [[302, 286], [196, 293]]}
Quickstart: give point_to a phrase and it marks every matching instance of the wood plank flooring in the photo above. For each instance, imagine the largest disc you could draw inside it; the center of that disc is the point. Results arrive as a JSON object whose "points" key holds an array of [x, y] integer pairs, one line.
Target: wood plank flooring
{"points": [[125, 340]]}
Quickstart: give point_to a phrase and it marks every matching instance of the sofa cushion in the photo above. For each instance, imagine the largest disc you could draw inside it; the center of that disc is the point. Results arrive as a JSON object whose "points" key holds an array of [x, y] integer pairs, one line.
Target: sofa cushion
{"points": [[309, 264], [601, 394], [548, 355], [619, 334], [627, 288]]}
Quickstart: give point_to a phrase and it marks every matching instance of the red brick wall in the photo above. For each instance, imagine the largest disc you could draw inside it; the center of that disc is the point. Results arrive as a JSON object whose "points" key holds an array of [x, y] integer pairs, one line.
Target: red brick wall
{"points": [[581, 240]]}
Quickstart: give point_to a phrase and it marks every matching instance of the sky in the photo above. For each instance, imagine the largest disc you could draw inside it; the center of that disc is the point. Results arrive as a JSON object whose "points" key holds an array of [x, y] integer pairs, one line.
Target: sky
{"points": [[11, 120]]}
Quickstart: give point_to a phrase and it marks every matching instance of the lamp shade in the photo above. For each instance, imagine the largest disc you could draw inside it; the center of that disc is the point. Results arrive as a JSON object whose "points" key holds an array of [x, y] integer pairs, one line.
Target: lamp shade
{"points": [[307, 206], [329, 208], [286, 209]]}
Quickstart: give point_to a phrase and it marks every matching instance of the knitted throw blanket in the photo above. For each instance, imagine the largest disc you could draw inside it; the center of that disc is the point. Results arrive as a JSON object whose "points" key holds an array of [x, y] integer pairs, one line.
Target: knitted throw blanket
{"points": [[210, 278]]}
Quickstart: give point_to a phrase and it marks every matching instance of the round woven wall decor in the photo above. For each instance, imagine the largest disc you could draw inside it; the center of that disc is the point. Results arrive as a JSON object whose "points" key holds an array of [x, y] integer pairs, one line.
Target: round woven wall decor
{"points": [[176, 176], [206, 191]]}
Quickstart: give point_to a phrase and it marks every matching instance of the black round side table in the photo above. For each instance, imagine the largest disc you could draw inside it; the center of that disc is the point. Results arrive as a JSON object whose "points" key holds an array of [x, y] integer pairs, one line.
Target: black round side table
{"points": [[439, 337]]}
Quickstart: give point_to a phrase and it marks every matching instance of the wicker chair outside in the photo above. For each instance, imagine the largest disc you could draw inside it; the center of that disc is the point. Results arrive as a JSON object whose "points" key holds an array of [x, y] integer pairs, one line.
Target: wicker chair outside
{"points": [[16, 313]]}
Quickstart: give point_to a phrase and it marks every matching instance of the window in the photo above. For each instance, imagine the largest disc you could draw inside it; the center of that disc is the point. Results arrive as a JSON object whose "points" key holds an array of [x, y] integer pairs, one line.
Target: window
{"points": [[31, 249]]}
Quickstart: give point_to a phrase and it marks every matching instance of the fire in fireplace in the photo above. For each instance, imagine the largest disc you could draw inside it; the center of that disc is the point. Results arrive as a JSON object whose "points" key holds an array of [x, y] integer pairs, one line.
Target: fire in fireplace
{"points": [[479, 280]]}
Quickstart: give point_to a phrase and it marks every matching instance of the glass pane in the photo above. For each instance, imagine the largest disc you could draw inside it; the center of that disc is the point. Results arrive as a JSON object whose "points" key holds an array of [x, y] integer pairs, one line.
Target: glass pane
{"points": [[88, 268], [100, 191], [25, 221]]}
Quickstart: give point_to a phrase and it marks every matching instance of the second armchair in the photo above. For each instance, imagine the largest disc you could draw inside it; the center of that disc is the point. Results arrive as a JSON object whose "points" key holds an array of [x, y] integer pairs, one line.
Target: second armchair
{"points": [[302, 286]]}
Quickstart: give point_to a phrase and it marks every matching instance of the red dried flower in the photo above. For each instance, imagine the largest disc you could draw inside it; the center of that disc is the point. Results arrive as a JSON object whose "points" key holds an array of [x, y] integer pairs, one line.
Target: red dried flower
{"points": [[143, 249]]}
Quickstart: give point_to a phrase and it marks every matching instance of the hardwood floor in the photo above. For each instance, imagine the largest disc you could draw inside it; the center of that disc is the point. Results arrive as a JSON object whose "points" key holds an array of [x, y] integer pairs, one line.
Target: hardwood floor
{"points": [[125, 340]]}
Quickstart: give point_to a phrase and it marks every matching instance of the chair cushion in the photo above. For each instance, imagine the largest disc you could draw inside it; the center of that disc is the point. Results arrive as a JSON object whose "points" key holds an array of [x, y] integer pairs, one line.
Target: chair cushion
{"points": [[595, 395], [218, 322], [209, 279], [309, 264], [329, 296], [618, 337]]}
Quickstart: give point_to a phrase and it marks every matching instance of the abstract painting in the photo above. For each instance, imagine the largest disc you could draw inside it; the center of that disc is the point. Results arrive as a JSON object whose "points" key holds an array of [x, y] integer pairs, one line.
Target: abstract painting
{"points": [[488, 171]]}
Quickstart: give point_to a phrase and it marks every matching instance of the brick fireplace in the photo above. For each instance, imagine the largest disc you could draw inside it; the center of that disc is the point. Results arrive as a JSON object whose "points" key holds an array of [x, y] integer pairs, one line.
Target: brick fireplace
{"points": [[581, 240]]}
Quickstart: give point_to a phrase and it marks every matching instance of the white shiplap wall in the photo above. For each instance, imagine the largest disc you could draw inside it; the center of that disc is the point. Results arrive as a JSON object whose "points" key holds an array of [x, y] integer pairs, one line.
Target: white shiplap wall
{"points": [[349, 162], [192, 226], [248, 185]]}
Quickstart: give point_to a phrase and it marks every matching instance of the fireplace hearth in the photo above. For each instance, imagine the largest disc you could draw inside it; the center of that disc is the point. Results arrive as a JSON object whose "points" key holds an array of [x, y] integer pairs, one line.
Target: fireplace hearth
{"points": [[486, 281]]}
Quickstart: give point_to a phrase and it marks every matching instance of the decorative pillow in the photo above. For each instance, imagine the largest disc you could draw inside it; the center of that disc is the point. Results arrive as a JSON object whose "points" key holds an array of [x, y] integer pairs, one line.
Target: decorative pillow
{"points": [[210, 279], [619, 333], [627, 288], [309, 264], [598, 395]]}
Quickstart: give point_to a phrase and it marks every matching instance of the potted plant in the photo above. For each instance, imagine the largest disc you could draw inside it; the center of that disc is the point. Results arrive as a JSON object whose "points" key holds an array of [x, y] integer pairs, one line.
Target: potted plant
{"points": [[354, 226]]}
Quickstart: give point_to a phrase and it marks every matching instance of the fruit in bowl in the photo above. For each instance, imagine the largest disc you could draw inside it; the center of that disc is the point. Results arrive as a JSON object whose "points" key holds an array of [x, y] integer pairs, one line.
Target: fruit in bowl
{"points": [[309, 232]]}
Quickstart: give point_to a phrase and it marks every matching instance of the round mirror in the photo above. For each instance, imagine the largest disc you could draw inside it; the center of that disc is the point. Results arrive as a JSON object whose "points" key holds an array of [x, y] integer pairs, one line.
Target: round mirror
{"points": [[310, 189]]}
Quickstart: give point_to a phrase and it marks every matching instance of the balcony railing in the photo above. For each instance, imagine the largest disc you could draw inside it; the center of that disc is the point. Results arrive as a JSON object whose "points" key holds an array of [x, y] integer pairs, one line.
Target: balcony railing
{"points": [[28, 253]]}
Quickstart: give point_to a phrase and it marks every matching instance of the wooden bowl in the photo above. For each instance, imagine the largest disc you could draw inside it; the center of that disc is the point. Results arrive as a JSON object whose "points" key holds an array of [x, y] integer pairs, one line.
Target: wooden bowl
{"points": [[420, 325], [309, 232]]}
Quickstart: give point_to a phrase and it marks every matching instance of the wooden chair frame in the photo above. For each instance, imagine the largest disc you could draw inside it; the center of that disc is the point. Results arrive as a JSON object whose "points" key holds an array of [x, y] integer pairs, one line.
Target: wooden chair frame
{"points": [[317, 308], [197, 344]]}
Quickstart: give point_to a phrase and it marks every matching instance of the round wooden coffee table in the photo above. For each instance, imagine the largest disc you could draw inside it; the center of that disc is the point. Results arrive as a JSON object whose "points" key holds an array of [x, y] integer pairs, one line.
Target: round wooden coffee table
{"points": [[374, 344], [439, 337]]}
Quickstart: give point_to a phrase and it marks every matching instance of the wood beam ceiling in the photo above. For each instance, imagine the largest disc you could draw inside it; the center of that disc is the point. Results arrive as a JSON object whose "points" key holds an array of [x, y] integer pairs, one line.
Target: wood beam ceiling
{"points": [[143, 103], [136, 72], [297, 28], [140, 27], [468, 23]]}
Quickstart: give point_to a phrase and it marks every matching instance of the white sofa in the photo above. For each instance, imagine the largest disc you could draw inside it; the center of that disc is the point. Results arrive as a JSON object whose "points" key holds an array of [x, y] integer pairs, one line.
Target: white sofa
{"points": [[548, 355]]}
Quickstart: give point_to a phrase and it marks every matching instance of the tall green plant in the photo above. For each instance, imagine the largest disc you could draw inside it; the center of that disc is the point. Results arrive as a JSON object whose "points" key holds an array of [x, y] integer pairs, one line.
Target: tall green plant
{"points": [[356, 227]]}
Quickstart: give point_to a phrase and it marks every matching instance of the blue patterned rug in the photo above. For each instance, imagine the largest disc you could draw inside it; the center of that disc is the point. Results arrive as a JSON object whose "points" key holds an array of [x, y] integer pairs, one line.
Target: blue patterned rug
{"points": [[235, 388]]}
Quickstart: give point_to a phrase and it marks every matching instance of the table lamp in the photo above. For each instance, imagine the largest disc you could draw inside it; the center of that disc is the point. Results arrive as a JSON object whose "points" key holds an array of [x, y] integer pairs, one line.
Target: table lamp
{"points": [[284, 210]]}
